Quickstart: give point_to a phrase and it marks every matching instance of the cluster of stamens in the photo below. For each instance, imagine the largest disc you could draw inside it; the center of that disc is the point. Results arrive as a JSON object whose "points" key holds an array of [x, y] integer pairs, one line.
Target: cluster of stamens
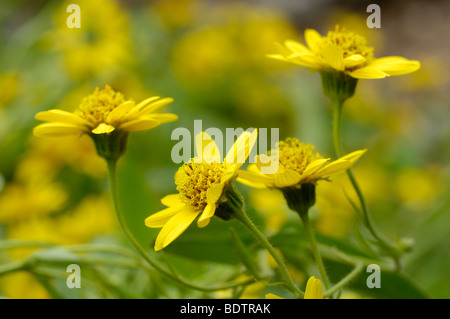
{"points": [[96, 107], [193, 181], [296, 156]]}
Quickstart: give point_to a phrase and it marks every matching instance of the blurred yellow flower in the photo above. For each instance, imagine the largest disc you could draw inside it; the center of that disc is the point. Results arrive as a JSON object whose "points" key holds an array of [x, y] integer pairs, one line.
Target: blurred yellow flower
{"points": [[343, 51], [201, 183], [22, 285], [298, 164], [103, 112], [102, 43]]}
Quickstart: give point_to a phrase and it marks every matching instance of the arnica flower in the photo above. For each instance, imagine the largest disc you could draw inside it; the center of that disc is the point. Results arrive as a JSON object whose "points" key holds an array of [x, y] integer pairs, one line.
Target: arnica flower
{"points": [[299, 168], [343, 51], [107, 117], [205, 188], [342, 57]]}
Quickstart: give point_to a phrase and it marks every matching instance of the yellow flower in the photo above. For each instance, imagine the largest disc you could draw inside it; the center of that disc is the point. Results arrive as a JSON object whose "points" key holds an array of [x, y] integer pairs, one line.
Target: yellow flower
{"points": [[297, 164], [203, 184], [103, 112], [107, 117], [313, 289], [343, 51]]}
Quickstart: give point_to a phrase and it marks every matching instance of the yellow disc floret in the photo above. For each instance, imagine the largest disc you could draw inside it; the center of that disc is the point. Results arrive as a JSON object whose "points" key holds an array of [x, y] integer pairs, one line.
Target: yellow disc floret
{"points": [[193, 181], [296, 156], [96, 107]]}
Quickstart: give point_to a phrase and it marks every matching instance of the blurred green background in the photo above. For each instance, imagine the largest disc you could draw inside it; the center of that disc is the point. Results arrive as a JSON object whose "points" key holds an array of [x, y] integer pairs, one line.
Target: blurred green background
{"points": [[210, 57]]}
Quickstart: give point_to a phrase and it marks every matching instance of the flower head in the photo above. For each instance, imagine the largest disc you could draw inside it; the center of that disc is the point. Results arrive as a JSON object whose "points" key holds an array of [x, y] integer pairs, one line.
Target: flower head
{"points": [[204, 186], [343, 51], [298, 164], [105, 115]]}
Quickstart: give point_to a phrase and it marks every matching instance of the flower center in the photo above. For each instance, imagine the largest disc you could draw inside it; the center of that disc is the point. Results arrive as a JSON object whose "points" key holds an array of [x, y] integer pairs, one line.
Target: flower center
{"points": [[350, 43], [96, 107], [296, 156], [193, 181]]}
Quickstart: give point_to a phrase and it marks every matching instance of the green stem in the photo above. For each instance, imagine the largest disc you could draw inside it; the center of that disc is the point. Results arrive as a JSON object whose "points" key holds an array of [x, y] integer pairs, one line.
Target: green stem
{"points": [[13, 266], [246, 221], [314, 248], [114, 192], [337, 139], [345, 281]]}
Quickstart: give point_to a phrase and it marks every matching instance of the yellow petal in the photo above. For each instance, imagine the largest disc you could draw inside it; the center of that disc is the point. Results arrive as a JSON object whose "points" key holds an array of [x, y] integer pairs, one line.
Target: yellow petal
{"points": [[312, 38], [206, 148], [313, 289], [174, 227], [297, 47], [272, 296], [354, 60], [171, 200], [334, 167], [313, 167], [276, 57], [368, 72], [119, 113], [254, 179], [287, 178], [334, 57], [241, 149], [134, 111], [205, 217], [160, 218], [103, 128], [306, 60], [394, 65], [58, 130], [214, 193], [163, 117], [140, 124], [354, 156], [62, 117], [155, 105]]}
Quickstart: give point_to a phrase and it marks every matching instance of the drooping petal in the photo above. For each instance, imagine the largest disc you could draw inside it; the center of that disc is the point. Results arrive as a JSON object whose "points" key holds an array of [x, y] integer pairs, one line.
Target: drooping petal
{"points": [[57, 130], [160, 218], [62, 117], [394, 65], [174, 227], [214, 193], [140, 124], [287, 178], [241, 149], [334, 57], [103, 128], [207, 214]]}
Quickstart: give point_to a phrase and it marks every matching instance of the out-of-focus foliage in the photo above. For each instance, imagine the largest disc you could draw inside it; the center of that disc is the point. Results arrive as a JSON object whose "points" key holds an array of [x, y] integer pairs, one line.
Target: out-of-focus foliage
{"points": [[210, 57]]}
